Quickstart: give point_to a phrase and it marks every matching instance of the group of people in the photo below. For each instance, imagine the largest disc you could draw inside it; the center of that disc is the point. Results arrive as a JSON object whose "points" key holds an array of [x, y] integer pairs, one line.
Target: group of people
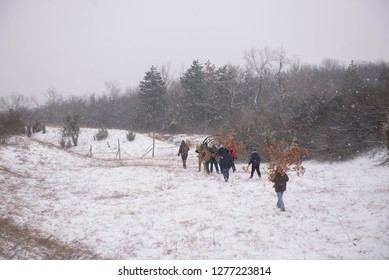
{"points": [[213, 158], [225, 158], [226, 163]]}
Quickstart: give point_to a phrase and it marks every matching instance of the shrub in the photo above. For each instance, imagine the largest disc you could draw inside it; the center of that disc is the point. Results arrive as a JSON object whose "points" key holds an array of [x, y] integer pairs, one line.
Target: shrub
{"points": [[71, 128], [29, 130], [285, 157], [101, 134], [3, 136], [11, 123], [69, 144], [62, 142], [131, 136], [37, 127], [386, 131]]}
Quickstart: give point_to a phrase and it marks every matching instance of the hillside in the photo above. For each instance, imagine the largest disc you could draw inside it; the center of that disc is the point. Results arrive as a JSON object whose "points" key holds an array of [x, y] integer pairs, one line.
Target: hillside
{"points": [[139, 207]]}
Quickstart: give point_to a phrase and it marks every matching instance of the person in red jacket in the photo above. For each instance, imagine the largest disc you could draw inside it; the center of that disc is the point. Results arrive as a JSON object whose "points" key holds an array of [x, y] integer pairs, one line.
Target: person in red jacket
{"points": [[234, 154]]}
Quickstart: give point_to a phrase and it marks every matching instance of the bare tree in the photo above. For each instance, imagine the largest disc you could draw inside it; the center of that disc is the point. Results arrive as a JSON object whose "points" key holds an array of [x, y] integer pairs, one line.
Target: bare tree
{"points": [[295, 64], [53, 103], [113, 90], [279, 62], [165, 71], [233, 85], [16, 102], [258, 65], [330, 64], [53, 96]]}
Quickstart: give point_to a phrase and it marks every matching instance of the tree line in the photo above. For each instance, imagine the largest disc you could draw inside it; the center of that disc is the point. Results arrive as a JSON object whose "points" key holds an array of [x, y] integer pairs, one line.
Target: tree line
{"points": [[334, 110]]}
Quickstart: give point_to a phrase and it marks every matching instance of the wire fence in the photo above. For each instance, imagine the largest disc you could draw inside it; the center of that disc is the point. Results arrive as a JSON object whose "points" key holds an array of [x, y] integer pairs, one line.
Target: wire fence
{"points": [[117, 152]]}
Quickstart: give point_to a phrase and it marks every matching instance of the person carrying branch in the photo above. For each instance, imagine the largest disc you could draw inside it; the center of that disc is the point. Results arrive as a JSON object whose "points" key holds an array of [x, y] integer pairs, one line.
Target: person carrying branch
{"points": [[183, 151], [279, 181]]}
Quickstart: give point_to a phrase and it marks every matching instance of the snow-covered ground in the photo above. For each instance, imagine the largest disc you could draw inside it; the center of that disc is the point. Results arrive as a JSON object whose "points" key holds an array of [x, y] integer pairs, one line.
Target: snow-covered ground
{"points": [[141, 207]]}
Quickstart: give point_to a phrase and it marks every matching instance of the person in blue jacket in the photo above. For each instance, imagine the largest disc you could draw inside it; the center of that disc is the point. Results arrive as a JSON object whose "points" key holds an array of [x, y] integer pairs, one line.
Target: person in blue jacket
{"points": [[225, 163], [280, 179], [255, 160]]}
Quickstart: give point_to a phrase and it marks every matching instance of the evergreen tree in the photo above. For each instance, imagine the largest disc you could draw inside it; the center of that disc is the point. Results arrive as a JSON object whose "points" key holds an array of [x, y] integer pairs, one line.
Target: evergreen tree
{"points": [[220, 95], [384, 75], [193, 82], [151, 95], [71, 128], [211, 94], [352, 81]]}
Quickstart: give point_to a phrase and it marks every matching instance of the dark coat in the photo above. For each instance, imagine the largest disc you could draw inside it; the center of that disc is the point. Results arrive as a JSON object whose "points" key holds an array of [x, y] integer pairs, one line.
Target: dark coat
{"points": [[222, 151], [280, 182], [226, 161], [184, 149], [255, 159]]}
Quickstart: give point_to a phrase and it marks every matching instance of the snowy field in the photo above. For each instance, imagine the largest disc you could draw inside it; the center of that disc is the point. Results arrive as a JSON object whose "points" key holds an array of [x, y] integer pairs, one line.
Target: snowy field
{"points": [[141, 207]]}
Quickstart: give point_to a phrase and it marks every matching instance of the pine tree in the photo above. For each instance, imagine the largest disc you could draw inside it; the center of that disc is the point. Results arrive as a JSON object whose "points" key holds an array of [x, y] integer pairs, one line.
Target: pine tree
{"points": [[193, 82], [352, 82], [151, 95], [220, 94], [71, 129], [212, 94]]}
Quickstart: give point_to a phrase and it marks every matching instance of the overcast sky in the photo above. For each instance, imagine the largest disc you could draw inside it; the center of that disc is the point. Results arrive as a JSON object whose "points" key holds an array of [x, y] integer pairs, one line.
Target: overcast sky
{"points": [[76, 46]]}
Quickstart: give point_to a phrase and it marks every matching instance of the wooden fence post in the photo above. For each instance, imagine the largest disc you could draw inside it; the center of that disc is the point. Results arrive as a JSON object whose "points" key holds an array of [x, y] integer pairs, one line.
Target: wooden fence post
{"points": [[153, 145], [119, 150]]}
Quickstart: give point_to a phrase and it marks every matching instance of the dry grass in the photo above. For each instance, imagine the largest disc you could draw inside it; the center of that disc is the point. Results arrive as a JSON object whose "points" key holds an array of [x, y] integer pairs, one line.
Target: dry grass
{"points": [[10, 172], [23, 243]]}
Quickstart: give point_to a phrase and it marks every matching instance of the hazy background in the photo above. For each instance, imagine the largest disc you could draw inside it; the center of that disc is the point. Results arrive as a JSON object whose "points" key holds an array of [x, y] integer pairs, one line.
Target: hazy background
{"points": [[77, 46]]}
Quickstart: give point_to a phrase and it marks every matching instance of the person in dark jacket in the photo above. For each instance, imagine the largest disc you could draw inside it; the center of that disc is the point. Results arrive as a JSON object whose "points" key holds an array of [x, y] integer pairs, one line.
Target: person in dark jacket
{"points": [[213, 161], [279, 181], [183, 151], [225, 163], [255, 160], [222, 151]]}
